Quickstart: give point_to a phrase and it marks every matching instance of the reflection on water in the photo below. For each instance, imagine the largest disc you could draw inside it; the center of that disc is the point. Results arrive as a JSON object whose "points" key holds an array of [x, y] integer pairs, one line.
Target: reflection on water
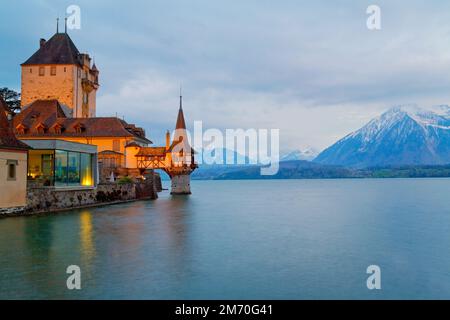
{"points": [[175, 221], [230, 240], [86, 238], [38, 235]]}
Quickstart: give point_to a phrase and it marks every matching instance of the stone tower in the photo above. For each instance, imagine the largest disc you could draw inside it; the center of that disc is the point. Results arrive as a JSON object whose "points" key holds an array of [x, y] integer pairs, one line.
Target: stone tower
{"points": [[181, 156], [57, 70]]}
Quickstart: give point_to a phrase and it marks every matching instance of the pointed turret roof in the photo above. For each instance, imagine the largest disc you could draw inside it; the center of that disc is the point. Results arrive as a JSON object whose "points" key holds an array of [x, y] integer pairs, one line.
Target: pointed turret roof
{"points": [[181, 124], [60, 49], [7, 138]]}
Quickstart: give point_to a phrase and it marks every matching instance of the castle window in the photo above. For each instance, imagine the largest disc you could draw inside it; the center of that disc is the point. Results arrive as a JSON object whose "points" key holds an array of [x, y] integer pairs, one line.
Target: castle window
{"points": [[31, 70], [41, 71], [64, 69], [12, 172], [53, 71]]}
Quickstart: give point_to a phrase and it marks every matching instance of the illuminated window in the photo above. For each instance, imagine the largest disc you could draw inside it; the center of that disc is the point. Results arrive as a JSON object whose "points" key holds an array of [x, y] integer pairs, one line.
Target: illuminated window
{"points": [[86, 170], [60, 168], [73, 168]]}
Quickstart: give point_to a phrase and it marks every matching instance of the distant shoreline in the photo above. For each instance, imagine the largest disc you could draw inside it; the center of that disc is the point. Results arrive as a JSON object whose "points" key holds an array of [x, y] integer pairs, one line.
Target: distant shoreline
{"points": [[310, 170]]}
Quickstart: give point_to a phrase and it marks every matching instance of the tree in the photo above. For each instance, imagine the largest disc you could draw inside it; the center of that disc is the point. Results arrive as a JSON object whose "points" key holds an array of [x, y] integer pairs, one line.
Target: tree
{"points": [[12, 99]]}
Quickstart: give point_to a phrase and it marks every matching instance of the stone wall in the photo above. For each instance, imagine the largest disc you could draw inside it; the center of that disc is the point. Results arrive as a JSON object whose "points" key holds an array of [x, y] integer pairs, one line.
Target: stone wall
{"points": [[45, 199], [60, 86], [158, 182], [12, 211], [181, 184], [49, 199]]}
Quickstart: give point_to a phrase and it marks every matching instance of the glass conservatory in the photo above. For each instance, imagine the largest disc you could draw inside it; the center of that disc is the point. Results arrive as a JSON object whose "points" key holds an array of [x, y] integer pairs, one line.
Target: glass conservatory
{"points": [[57, 163]]}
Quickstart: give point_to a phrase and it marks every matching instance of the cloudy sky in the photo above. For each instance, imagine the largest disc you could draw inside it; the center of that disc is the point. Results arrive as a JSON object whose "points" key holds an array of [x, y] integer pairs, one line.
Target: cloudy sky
{"points": [[310, 68]]}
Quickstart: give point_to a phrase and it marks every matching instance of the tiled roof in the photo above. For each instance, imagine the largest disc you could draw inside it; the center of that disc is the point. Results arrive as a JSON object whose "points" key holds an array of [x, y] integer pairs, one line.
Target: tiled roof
{"points": [[59, 49], [110, 152], [7, 137], [132, 144], [49, 113], [151, 151], [181, 124]]}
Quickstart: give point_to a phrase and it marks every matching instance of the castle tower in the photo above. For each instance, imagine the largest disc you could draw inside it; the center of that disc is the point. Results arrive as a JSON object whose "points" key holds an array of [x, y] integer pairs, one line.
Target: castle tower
{"points": [[57, 70], [181, 157]]}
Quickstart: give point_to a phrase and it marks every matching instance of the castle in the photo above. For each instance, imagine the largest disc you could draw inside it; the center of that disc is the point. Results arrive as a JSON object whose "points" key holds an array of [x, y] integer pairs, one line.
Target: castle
{"points": [[59, 88]]}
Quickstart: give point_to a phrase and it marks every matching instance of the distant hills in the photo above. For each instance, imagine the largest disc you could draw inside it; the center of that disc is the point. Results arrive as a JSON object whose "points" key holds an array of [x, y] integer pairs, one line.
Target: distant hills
{"points": [[403, 136], [298, 169], [309, 170]]}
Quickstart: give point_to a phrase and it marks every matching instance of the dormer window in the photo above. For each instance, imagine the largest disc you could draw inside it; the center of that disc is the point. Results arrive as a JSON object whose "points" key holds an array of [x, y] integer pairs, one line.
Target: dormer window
{"points": [[40, 128], [79, 128], [58, 129], [21, 129]]}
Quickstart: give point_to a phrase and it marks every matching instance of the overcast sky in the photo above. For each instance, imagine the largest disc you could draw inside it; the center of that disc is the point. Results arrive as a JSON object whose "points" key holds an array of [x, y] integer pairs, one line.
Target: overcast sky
{"points": [[310, 68]]}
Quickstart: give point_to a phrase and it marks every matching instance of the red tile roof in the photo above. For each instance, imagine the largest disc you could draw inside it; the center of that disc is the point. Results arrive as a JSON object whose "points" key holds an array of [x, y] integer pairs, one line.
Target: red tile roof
{"points": [[7, 137], [49, 113], [151, 151], [181, 124]]}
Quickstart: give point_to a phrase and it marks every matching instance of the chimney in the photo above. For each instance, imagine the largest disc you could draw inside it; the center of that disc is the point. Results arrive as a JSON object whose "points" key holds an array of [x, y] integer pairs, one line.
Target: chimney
{"points": [[41, 43]]}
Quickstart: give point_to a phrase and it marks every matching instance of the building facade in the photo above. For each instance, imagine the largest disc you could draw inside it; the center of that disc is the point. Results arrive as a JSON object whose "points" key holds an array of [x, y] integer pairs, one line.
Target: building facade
{"points": [[13, 166]]}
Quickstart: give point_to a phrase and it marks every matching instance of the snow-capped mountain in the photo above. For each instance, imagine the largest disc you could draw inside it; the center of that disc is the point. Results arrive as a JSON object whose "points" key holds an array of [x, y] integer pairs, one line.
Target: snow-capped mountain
{"points": [[404, 135], [306, 154]]}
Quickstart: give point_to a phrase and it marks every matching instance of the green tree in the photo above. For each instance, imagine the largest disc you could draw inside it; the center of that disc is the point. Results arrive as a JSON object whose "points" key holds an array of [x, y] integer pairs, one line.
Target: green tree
{"points": [[12, 99]]}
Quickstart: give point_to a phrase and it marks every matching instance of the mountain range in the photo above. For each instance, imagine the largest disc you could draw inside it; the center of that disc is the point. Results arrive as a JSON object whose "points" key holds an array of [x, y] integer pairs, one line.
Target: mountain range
{"points": [[405, 141], [404, 135]]}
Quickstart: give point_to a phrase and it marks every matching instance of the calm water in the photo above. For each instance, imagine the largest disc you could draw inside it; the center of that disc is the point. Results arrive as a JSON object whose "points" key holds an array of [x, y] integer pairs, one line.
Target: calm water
{"points": [[241, 240]]}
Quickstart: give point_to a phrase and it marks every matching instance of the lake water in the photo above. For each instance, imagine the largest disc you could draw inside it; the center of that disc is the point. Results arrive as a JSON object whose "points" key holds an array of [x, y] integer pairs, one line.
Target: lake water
{"points": [[291, 239]]}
